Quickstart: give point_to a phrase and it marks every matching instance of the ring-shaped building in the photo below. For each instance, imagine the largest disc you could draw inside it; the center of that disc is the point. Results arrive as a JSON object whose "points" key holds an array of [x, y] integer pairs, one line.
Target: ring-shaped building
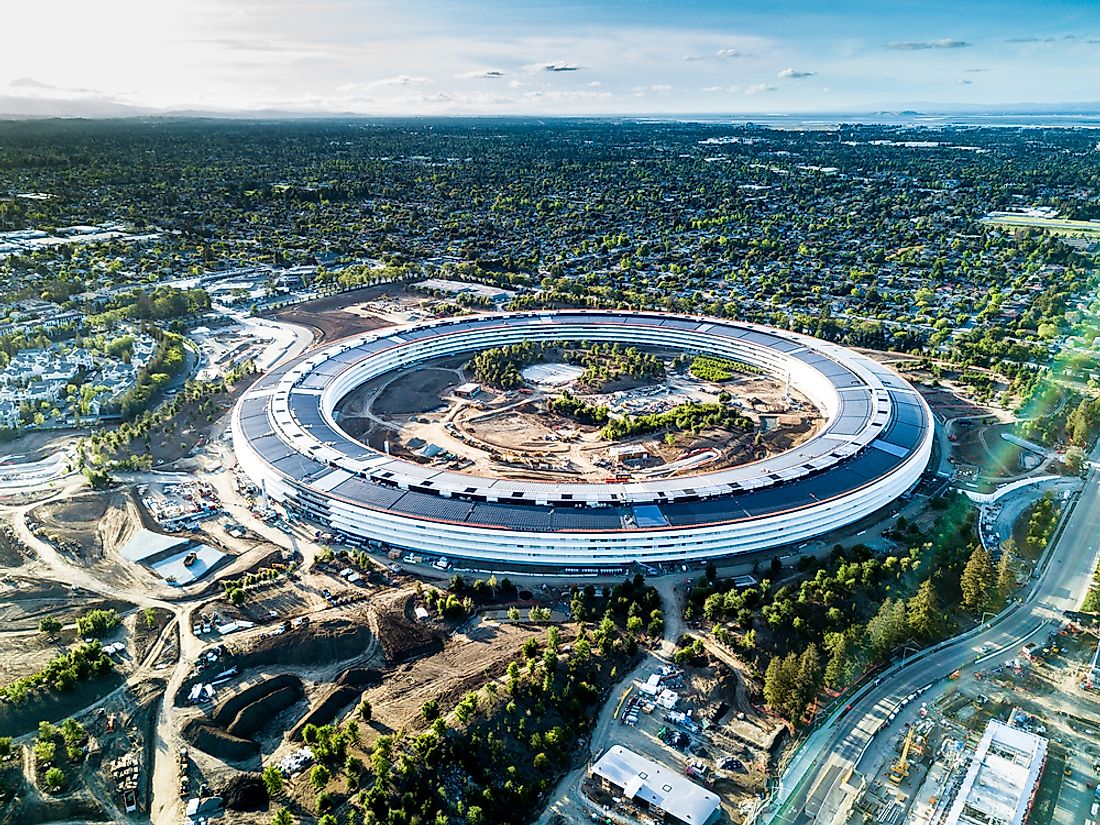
{"points": [[872, 448]]}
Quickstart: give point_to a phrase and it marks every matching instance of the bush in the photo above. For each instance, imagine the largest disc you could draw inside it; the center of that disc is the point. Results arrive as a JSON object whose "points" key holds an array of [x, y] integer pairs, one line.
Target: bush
{"points": [[53, 779], [50, 625], [97, 623]]}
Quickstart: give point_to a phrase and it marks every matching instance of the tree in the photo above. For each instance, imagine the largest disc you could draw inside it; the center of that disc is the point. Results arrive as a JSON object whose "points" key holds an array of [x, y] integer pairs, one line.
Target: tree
{"points": [[97, 623], [365, 710], [1074, 460], [838, 670], [283, 817], [430, 710], [273, 780], [54, 779], [807, 680], [924, 611], [1006, 571], [780, 683], [50, 625], [319, 777], [887, 628], [977, 581]]}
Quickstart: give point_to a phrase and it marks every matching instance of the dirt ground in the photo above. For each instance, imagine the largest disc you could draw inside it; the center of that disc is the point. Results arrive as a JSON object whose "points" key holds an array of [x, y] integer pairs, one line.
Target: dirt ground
{"points": [[97, 522], [466, 662], [23, 604], [416, 392], [983, 447], [36, 445], [330, 317], [513, 435]]}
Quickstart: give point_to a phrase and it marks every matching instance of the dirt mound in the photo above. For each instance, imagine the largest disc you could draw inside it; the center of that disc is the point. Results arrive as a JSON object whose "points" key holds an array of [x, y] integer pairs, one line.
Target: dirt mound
{"points": [[359, 677], [245, 792], [227, 710], [255, 716], [217, 742], [227, 733], [348, 688], [403, 638], [328, 709], [321, 643]]}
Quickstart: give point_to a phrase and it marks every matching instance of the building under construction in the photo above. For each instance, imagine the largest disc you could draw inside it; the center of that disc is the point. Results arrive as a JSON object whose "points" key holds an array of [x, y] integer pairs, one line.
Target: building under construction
{"points": [[1003, 776]]}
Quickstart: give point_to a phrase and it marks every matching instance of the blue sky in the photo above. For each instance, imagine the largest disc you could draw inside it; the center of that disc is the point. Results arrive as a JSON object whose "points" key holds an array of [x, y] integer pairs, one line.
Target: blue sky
{"points": [[538, 57]]}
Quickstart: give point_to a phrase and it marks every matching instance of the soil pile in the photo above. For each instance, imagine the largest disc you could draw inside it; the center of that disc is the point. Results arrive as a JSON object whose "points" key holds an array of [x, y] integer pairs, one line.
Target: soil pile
{"points": [[245, 792]]}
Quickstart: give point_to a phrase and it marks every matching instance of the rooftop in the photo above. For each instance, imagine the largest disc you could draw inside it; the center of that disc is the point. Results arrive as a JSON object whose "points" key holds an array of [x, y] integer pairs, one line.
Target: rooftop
{"points": [[658, 786], [999, 785]]}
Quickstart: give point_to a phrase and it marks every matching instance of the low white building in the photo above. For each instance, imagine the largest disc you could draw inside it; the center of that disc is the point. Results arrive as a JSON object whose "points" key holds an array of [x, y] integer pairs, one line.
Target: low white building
{"points": [[1000, 784], [655, 788]]}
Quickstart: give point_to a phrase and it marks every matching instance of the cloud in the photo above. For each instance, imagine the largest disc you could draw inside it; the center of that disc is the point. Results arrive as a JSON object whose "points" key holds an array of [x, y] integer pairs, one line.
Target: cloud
{"points": [[721, 54], [758, 88], [793, 74], [975, 71], [30, 83], [713, 89], [920, 45], [962, 81], [482, 74], [402, 80]]}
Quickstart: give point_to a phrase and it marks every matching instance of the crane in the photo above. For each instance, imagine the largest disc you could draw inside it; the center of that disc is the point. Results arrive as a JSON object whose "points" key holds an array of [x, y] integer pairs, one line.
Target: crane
{"points": [[901, 767]]}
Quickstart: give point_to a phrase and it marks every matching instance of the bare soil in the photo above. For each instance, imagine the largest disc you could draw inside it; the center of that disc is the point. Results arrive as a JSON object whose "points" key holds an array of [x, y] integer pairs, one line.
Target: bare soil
{"points": [[465, 663], [401, 636], [416, 392], [329, 318]]}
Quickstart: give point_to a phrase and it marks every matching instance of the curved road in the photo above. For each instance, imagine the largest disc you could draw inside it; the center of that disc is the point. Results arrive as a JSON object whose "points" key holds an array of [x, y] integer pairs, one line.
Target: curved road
{"points": [[812, 788]]}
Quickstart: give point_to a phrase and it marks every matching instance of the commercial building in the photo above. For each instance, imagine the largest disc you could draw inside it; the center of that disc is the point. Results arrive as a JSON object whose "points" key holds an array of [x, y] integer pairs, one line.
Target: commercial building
{"points": [[654, 788], [873, 448], [1000, 784]]}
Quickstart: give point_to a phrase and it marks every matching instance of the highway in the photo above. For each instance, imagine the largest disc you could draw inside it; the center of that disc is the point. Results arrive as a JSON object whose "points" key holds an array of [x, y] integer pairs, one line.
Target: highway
{"points": [[812, 788]]}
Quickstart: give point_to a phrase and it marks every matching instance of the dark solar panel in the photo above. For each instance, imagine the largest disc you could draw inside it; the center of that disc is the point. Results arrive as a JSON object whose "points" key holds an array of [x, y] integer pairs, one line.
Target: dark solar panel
{"points": [[431, 506], [585, 518]]}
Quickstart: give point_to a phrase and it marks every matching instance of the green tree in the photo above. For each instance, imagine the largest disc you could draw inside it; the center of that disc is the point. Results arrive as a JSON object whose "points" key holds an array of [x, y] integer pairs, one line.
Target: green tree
{"points": [[283, 817], [53, 779], [365, 710], [781, 684], [50, 625], [808, 678], [923, 611], [319, 777], [840, 667], [977, 581], [273, 780]]}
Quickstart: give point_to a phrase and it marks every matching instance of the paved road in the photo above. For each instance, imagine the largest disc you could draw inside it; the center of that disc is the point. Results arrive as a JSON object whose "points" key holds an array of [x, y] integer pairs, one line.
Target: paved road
{"points": [[809, 789]]}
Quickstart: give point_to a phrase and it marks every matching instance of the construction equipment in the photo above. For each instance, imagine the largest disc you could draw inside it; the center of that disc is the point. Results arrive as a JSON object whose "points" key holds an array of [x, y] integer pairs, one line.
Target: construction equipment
{"points": [[901, 767]]}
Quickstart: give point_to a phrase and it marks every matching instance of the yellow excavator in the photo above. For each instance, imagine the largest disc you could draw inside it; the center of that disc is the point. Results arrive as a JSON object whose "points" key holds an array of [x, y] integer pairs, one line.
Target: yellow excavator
{"points": [[901, 767]]}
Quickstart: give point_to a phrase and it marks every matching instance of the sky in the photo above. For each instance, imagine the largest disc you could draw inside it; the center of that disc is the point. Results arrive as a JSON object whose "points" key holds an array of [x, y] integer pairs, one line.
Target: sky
{"points": [[531, 57]]}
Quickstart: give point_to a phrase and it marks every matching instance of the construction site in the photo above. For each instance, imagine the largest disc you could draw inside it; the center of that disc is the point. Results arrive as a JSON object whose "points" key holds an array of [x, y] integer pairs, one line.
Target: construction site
{"points": [[439, 415], [1012, 744]]}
